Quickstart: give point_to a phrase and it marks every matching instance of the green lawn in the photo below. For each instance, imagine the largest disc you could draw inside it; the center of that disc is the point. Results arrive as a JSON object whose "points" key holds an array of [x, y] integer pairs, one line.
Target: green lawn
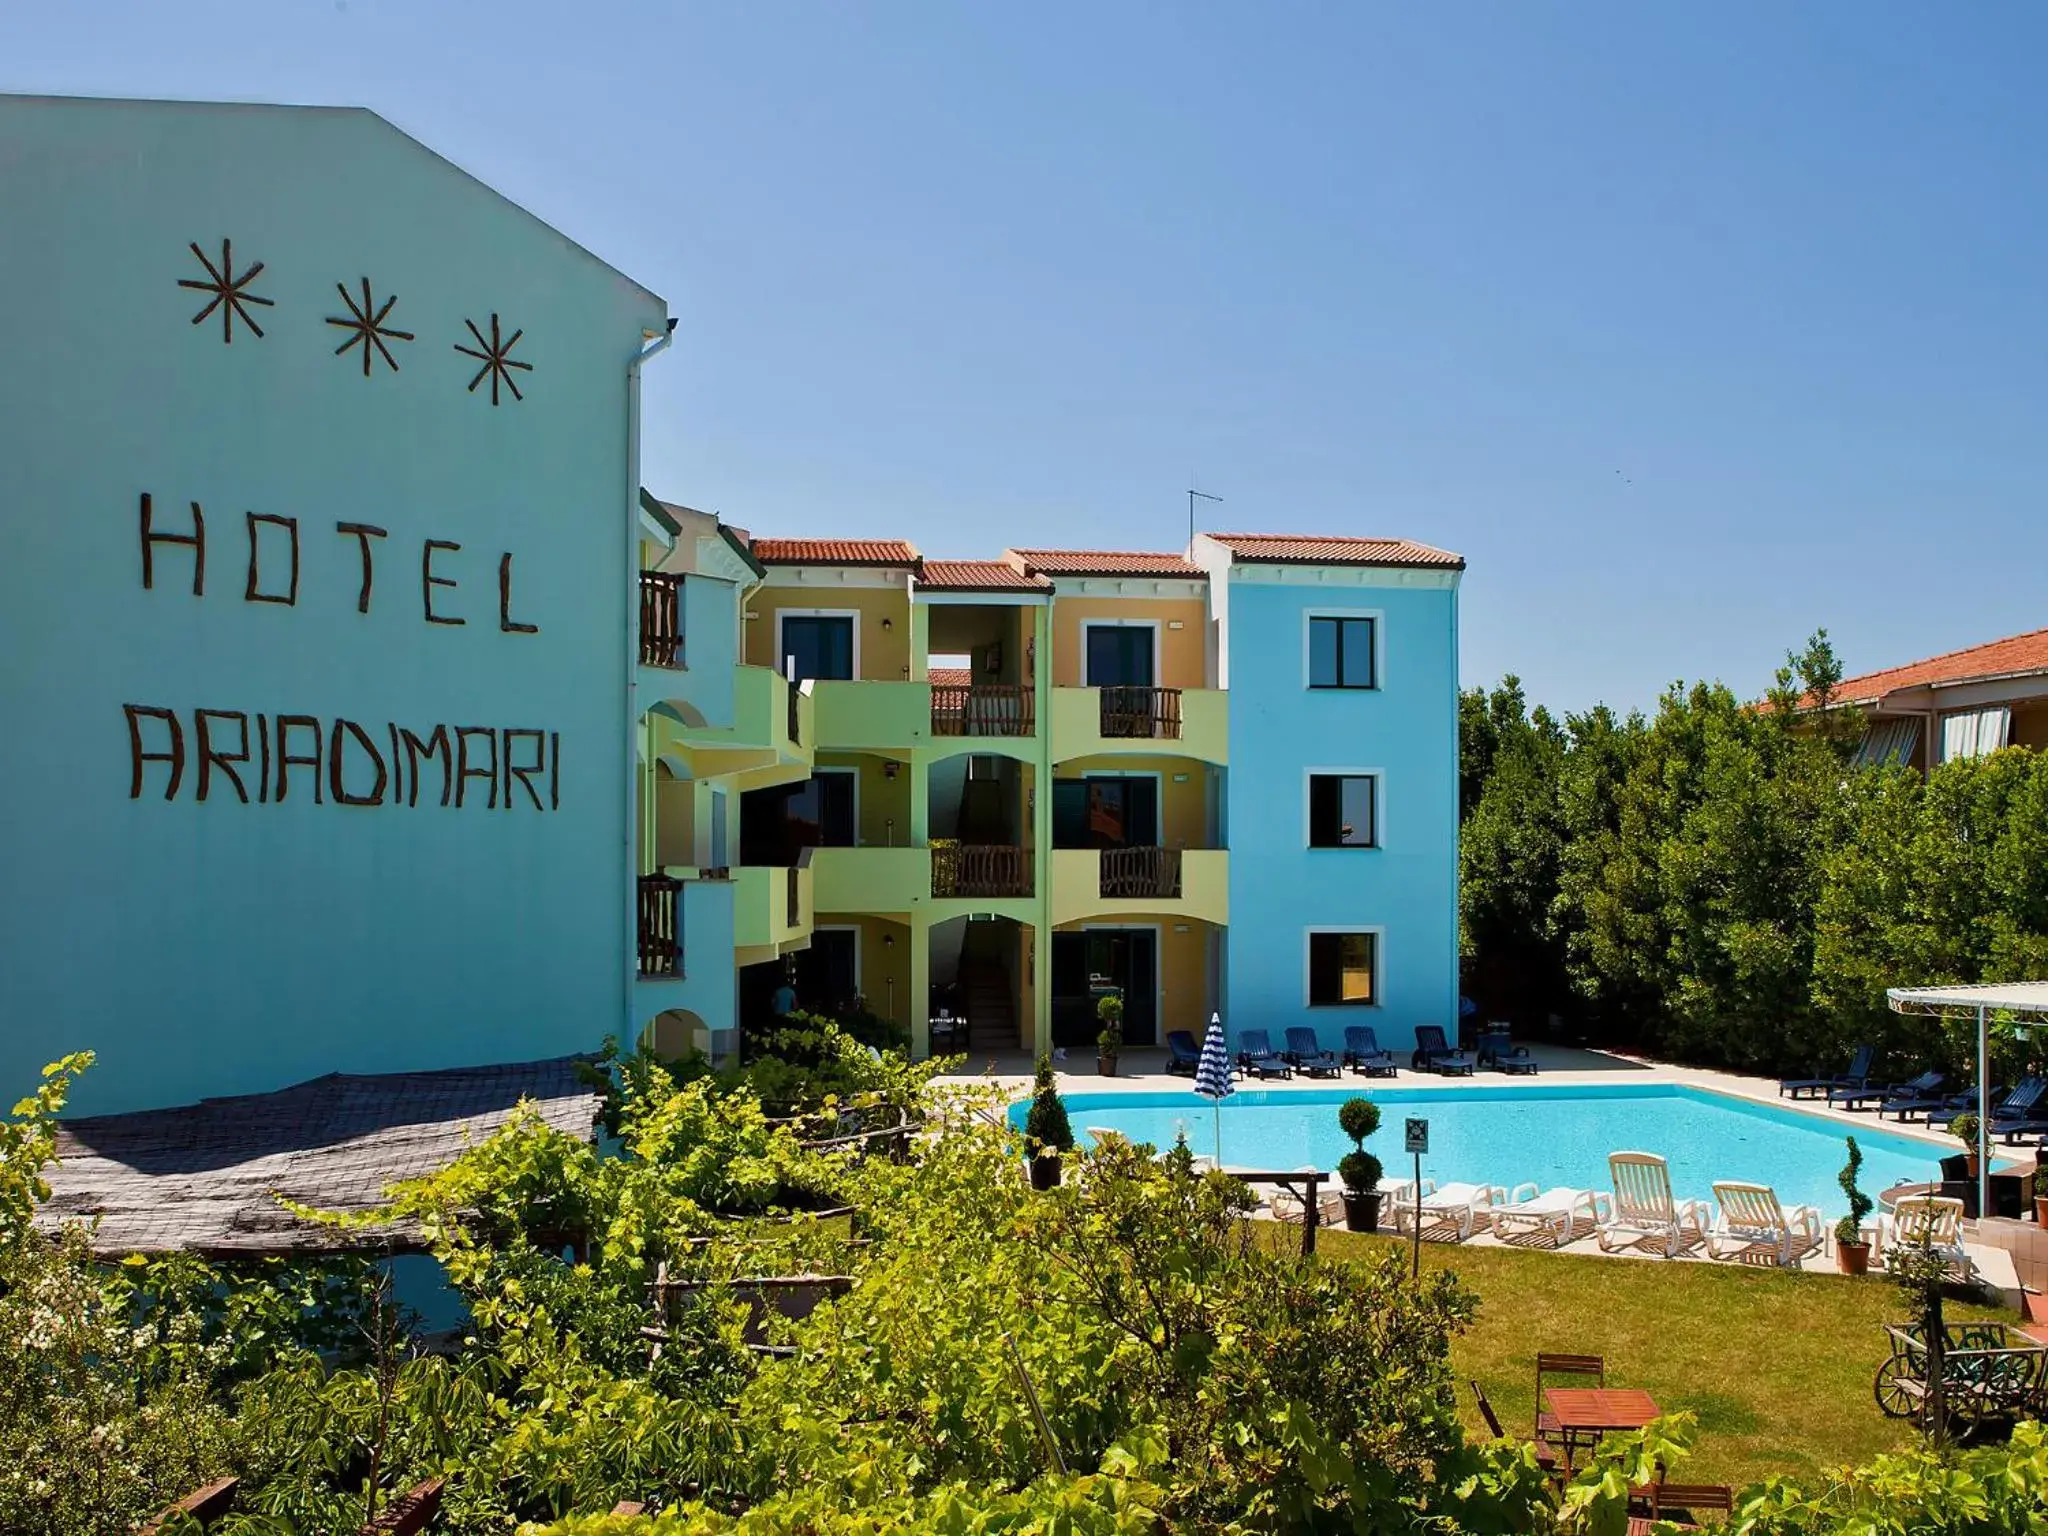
{"points": [[1777, 1366]]}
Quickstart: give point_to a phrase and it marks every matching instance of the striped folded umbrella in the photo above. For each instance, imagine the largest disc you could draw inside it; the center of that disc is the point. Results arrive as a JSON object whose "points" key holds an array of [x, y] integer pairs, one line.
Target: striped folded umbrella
{"points": [[1213, 1076]]}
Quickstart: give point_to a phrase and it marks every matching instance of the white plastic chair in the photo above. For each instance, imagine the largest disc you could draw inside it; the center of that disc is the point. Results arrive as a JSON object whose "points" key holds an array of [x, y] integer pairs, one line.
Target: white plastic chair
{"points": [[1644, 1209], [1936, 1220], [1748, 1218]]}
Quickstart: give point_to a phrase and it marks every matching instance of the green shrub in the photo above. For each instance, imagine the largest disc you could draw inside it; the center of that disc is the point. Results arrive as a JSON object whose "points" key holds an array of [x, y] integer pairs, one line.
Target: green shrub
{"points": [[1358, 1118], [1850, 1228], [1045, 1124], [1964, 1129], [1110, 1010]]}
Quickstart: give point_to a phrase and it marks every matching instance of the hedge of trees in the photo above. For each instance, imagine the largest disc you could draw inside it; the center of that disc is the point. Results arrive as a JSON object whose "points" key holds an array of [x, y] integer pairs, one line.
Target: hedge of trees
{"points": [[1722, 883]]}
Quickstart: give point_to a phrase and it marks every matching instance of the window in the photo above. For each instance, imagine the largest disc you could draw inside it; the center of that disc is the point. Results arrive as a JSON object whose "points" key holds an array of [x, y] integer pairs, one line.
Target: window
{"points": [[1340, 652], [816, 645], [1119, 655], [1105, 812], [1342, 810], [1343, 969], [821, 811]]}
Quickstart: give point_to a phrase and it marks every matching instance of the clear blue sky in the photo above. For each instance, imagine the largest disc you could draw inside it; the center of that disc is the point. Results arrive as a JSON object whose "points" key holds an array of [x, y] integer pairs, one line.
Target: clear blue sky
{"points": [[1691, 327]]}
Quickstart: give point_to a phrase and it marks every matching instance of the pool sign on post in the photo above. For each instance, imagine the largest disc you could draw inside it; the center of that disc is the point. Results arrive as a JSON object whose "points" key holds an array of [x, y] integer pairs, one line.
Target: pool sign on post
{"points": [[1418, 1143]]}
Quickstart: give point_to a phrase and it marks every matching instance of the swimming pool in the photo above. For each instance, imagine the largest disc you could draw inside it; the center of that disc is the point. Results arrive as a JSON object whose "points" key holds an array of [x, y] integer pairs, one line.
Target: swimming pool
{"points": [[1553, 1135]]}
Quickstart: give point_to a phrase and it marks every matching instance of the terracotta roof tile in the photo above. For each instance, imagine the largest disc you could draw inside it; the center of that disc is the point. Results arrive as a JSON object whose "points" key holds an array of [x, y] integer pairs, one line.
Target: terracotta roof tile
{"points": [[837, 552], [1317, 549], [977, 576], [1103, 562], [1997, 658]]}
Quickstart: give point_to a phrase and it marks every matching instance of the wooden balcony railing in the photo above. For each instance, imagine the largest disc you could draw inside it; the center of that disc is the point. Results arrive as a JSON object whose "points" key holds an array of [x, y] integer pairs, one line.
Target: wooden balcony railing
{"points": [[1141, 873], [661, 618], [1133, 710], [661, 941], [983, 709], [979, 870]]}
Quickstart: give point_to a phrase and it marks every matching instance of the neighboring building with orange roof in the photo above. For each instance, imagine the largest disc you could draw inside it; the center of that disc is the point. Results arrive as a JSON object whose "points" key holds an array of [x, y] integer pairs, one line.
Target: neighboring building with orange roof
{"points": [[998, 789], [1960, 704]]}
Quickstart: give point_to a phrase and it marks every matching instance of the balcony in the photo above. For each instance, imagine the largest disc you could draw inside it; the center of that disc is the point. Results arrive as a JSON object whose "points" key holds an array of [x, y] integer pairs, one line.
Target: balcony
{"points": [[871, 879], [661, 619], [1140, 874], [1129, 711], [661, 939], [772, 908], [984, 709], [1189, 883], [1121, 720], [980, 870], [864, 715]]}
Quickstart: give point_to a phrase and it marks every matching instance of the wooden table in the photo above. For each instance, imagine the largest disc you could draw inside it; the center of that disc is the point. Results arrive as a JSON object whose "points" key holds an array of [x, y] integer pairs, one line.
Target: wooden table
{"points": [[1584, 1414]]}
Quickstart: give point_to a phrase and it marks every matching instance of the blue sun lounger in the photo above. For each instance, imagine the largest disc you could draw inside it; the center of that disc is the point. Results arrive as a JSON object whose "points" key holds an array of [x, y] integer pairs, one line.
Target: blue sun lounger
{"points": [[1307, 1053], [1256, 1055]]}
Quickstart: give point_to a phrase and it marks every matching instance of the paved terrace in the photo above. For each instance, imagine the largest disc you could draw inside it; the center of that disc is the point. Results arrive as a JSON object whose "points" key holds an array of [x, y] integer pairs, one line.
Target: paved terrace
{"points": [[2011, 1256]]}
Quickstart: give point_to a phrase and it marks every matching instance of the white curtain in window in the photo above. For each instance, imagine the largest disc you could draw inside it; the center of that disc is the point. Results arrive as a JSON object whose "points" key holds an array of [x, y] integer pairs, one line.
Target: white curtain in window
{"points": [[1974, 732], [1889, 741]]}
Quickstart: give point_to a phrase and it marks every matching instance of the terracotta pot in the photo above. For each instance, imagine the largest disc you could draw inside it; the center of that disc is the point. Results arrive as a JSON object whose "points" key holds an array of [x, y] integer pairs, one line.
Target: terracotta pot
{"points": [[1971, 1163], [1105, 1063], [1853, 1258], [1045, 1171], [1362, 1210], [2041, 1209]]}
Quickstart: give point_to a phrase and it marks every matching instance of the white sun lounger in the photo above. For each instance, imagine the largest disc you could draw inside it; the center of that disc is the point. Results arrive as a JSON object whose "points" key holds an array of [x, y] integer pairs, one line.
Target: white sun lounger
{"points": [[1554, 1213], [1748, 1219], [1463, 1206], [1644, 1210], [1286, 1204], [1934, 1220]]}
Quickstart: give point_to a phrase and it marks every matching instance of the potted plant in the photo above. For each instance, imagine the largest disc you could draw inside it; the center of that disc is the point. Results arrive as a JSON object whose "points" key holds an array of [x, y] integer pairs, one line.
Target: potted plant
{"points": [[1046, 1131], [1964, 1129], [1852, 1249], [2041, 1192], [1110, 1010], [1358, 1168]]}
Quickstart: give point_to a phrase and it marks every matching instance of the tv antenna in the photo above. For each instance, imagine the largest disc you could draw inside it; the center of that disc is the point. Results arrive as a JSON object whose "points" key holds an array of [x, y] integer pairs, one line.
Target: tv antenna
{"points": [[1193, 496]]}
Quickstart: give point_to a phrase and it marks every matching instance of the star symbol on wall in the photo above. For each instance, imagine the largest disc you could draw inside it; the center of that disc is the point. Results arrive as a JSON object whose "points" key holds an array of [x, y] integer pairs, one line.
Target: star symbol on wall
{"points": [[230, 293], [365, 324], [496, 357]]}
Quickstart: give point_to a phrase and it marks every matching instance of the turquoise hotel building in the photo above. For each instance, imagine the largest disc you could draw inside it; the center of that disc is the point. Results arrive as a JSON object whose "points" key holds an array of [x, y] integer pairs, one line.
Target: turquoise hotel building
{"points": [[365, 713]]}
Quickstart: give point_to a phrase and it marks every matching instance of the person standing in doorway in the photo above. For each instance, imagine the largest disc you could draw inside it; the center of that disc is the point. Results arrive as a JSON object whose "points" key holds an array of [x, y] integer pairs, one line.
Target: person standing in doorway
{"points": [[783, 1003]]}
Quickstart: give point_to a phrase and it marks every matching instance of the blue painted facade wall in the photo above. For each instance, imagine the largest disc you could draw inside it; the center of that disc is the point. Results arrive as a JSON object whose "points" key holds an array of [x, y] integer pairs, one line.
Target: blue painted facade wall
{"points": [[1279, 728], [216, 947]]}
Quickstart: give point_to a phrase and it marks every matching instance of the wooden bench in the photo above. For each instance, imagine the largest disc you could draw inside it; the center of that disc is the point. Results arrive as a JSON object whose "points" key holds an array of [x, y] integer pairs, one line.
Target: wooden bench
{"points": [[205, 1505], [410, 1513]]}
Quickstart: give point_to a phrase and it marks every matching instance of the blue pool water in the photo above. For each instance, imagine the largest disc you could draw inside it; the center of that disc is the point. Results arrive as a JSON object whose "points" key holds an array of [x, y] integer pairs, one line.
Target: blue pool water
{"points": [[1506, 1135]]}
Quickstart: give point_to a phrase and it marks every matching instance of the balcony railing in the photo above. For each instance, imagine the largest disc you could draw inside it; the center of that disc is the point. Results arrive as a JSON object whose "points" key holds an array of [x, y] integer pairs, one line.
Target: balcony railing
{"points": [[977, 870], [1141, 874], [661, 618], [661, 944], [1134, 710], [983, 709]]}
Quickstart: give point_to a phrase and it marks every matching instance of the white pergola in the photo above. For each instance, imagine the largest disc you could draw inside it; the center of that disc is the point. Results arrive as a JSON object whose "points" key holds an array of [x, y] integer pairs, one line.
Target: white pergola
{"points": [[2025, 1002]]}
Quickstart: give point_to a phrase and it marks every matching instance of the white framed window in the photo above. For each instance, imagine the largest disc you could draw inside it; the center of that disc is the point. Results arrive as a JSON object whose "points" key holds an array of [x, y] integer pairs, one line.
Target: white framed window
{"points": [[1342, 966], [1343, 649], [1343, 807], [821, 643]]}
